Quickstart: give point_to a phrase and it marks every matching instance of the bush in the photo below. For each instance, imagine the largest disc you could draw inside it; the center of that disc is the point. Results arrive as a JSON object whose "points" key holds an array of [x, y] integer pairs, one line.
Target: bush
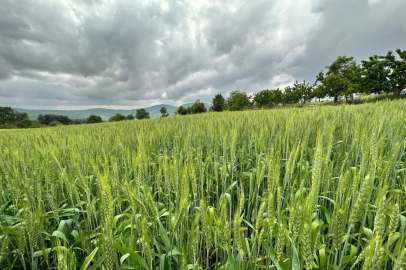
{"points": [[93, 119], [55, 124]]}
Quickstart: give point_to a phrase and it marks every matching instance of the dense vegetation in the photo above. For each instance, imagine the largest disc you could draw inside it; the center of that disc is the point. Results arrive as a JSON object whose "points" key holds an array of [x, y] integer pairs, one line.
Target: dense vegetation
{"points": [[12, 119], [320, 187], [343, 78]]}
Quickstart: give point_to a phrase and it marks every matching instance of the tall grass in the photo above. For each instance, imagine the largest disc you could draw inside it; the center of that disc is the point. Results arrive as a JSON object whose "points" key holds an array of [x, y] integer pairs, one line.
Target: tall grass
{"points": [[313, 188]]}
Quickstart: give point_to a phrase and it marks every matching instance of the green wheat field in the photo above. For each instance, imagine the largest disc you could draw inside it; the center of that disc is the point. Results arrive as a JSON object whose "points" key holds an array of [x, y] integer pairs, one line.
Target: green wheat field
{"points": [[312, 188]]}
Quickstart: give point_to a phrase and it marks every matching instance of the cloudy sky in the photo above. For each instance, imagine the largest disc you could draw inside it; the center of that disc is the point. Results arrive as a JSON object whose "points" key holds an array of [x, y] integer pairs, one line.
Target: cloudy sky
{"points": [[76, 54]]}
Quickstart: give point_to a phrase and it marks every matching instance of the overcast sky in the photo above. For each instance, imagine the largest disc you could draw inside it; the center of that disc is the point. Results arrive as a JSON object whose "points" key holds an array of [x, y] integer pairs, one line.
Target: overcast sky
{"points": [[76, 54]]}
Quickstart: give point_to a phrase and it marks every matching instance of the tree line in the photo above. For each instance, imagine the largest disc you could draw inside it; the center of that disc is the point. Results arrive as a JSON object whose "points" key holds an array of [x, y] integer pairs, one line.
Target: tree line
{"points": [[10, 118], [344, 78]]}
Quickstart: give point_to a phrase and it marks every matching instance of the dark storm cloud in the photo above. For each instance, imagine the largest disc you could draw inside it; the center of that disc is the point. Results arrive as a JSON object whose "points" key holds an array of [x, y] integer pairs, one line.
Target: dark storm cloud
{"points": [[68, 54]]}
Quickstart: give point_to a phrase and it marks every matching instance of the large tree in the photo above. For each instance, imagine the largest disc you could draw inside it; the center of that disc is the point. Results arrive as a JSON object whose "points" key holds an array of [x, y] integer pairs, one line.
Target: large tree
{"points": [[219, 103], [142, 114], [238, 101], [341, 78], [375, 73], [10, 118], [397, 71]]}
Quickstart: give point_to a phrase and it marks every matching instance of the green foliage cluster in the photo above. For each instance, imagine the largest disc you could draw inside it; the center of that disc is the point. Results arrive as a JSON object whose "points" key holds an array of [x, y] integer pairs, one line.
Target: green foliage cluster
{"points": [[94, 119], [115, 118], [314, 188], [10, 118], [197, 107], [164, 112], [218, 103], [46, 119], [343, 78], [142, 114]]}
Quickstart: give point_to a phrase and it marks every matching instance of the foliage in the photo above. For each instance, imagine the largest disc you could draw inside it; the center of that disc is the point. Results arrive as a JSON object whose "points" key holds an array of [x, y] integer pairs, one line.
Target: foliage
{"points": [[197, 107], [93, 119], [320, 91], [10, 118], [237, 101], [181, 111], [397, 71], [118, 117], [164, 112], [263, 99], [219, 103], [341, 78], [375, 75], [142, 114], [290, 96], [46, 119], [320, 188], [55, 123], [130, 117], [303, 91]]}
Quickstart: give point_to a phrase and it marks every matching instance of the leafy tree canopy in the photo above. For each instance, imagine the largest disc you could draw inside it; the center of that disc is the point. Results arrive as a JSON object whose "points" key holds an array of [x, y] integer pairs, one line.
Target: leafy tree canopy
{"points": [[116, 118], [164, 112], [237, 101], [181, 111], [46, 119], [341, 78], [93, 119], [198, 107], [130, 117], [219, 103], [142, 114]]}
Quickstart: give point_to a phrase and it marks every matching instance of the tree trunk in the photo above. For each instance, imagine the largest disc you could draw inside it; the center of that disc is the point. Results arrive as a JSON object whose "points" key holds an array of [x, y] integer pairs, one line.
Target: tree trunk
{"points": [[335, 99], [396, 92]]}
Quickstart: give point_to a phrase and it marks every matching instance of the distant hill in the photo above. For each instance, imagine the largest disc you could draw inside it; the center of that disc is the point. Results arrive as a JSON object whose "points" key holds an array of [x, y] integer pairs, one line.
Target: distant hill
{"points": [[104, 113]]}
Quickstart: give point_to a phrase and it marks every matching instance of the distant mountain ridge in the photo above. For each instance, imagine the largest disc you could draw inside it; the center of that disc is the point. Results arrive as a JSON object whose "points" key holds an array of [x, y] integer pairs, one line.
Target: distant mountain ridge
{"points": [[104, 113]]}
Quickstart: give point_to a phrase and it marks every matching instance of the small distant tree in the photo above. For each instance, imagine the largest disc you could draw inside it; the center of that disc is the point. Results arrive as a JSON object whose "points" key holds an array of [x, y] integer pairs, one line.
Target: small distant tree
{"points": [[130, 117], [181, 111], [276, 96], [55, 124], [303, 91], [142, 114], [238, 101], [93, 119], [164, 112], [219, 103], [78, 121], [263, 98], [290, 96], [118, 117], [198, 107]]}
